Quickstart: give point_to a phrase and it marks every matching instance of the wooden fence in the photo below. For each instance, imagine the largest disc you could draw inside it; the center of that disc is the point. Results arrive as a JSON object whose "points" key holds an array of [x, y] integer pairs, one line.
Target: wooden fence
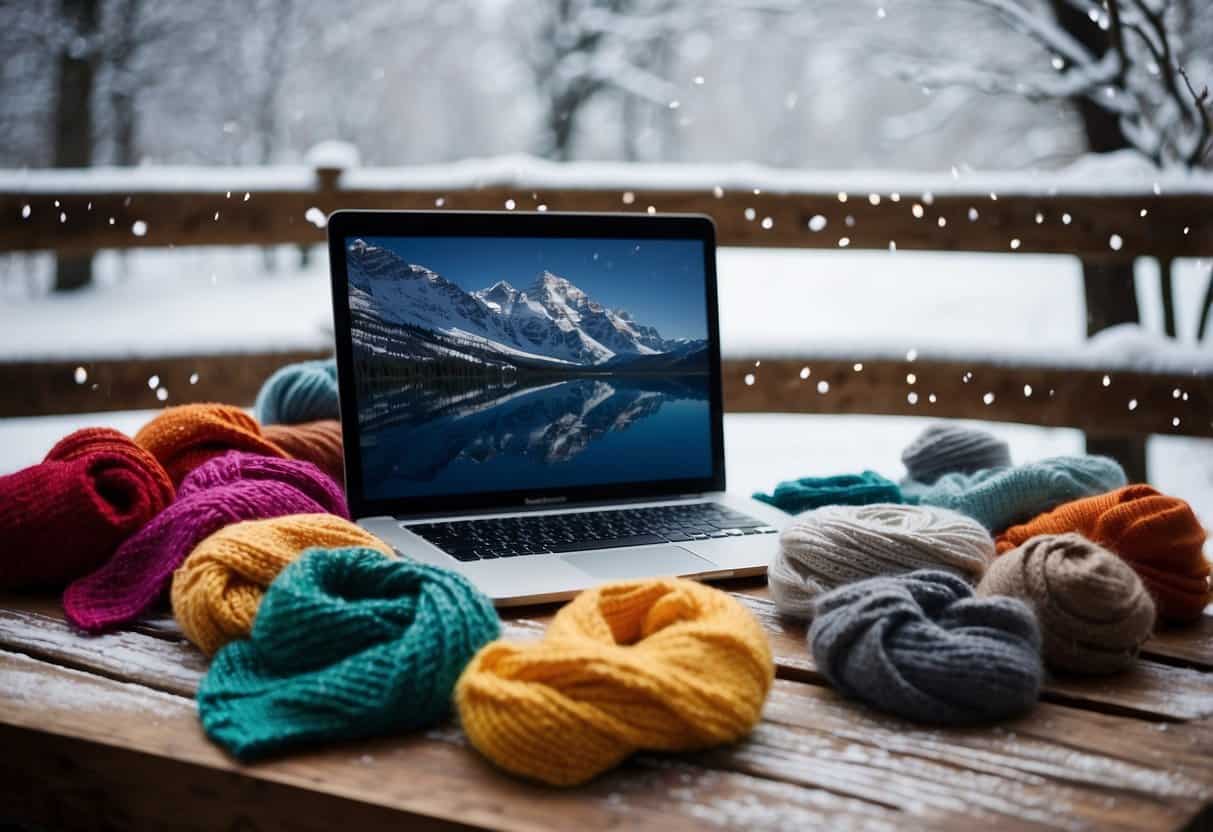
{"points": [[87, 211]]}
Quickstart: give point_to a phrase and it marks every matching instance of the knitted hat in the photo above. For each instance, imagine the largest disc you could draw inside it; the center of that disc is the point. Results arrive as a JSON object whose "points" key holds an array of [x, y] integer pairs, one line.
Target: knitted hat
{"points": [[667, 665], [795, 496], [217, 590], [922, 647], [303, 392], [347, 644], [1158, 535], [65, 516], [945, 449], [837, 545], [186, 436], [999, 497], [317, 442], [1093, 610], [226, 490]]}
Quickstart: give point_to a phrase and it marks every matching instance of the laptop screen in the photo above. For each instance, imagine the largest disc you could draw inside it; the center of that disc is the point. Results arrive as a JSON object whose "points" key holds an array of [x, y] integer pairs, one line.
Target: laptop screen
{"points": [[528, 365]]}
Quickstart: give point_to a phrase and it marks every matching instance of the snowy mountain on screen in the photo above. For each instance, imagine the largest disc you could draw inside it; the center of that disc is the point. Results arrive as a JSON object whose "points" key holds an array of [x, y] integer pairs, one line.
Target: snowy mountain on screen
{"points": [[551, 318]]}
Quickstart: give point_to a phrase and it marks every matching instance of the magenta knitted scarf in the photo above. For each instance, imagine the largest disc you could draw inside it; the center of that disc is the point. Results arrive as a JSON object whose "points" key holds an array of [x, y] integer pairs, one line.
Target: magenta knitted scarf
{"points": [[229, 489]]}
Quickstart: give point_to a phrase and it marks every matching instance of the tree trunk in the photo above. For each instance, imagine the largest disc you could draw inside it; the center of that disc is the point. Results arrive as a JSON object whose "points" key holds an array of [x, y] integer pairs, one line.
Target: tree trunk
{"points": [[73, 124], [1108, 287], [122, 89]]}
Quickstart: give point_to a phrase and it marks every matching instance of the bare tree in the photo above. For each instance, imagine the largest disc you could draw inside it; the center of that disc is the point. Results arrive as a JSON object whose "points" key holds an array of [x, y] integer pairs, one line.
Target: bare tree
{"points": [[1120, 64], [578, 49]]}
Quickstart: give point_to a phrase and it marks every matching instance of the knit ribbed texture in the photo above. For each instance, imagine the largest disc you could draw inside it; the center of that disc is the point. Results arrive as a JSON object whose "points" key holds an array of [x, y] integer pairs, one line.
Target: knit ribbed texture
{"points": [[1094, 613], [226, 490], [184, 437], [1158, 535], [795, 496], [947, 449], [1002, 496], [837, 545], [316, 442], [666, 665], [303, 392], [65, 516], [346, 644], [922, 647], [218, 589]]}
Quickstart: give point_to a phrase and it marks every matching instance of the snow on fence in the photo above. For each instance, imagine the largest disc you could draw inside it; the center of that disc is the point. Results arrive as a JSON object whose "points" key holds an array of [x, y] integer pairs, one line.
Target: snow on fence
{"points": [[1090, 212]]}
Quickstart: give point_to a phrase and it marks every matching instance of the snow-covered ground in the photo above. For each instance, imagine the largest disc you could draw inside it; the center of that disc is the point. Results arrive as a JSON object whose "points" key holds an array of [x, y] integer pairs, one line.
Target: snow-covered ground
{"points": [[853, 302], [164, 302]]}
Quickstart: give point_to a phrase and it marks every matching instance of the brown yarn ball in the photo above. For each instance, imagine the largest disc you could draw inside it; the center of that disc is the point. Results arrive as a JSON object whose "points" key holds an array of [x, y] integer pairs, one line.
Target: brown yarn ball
{"points": [[316, 442], [1094, 611]]}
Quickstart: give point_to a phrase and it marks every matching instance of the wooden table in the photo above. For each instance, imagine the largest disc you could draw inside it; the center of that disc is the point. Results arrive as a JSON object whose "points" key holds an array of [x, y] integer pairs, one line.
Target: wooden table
{"points": [[101, 733]]}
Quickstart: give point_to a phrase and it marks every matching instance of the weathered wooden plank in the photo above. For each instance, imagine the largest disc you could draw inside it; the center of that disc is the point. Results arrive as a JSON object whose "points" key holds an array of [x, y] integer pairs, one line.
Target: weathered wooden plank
{"points": [[431, 776], [1150, 690], [1058, 397], [955, 221], [1190, 644], [44, 388], [167, 666], [844, 763]]}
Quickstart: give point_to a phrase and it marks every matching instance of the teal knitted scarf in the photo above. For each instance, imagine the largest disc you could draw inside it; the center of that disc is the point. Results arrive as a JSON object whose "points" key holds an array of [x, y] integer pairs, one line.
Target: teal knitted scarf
{"points": [[347, 643], [795, 496]]}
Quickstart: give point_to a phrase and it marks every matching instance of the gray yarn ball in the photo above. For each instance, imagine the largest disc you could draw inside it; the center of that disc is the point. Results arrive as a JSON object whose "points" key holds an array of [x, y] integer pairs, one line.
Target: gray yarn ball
{"points": [[945, 449], [923, 647]]}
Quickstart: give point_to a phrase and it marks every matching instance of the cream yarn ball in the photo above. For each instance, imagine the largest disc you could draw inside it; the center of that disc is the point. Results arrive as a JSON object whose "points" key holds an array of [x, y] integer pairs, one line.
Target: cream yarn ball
{"points": [[835, 545]]}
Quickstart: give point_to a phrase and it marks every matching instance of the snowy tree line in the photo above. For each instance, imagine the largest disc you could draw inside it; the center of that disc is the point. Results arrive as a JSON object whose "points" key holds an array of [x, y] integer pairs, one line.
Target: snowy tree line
{"points": [[831, 83]]}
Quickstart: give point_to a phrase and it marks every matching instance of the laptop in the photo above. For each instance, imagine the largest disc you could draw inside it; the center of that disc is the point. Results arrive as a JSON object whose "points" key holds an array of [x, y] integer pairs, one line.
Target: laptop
{"points": [[534, 400]]}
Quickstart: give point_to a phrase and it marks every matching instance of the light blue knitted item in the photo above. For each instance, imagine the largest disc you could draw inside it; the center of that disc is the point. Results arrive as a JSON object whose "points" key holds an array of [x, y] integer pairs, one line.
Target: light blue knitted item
{"points": [[1000, 497], [303, 392]]}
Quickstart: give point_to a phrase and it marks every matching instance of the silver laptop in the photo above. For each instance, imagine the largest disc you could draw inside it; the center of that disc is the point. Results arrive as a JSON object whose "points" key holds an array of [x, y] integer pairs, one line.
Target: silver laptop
{"points": [[533, 400]]}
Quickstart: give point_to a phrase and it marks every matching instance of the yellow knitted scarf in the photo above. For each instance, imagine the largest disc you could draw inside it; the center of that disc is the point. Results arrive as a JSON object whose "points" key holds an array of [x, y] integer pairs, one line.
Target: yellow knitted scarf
{"points": [[664, 664], [217, 590]]}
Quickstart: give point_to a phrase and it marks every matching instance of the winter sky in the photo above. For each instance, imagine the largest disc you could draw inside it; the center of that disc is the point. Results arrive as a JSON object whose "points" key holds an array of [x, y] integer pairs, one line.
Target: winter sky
{"points": [[659, 282]]}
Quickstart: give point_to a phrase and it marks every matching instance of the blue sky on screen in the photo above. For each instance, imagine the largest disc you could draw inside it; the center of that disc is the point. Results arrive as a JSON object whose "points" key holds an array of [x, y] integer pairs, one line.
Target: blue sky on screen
{"points": [[659, 282]]}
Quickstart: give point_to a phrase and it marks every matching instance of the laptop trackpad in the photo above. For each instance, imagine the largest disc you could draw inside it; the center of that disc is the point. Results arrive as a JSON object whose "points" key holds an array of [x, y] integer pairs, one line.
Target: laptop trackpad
{"points": [[640, 562]]}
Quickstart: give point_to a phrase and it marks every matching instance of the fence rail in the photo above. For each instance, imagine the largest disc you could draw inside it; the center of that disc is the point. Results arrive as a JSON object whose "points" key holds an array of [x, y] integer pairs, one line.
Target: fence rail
{"points": [[79, 212], [52, 211]]}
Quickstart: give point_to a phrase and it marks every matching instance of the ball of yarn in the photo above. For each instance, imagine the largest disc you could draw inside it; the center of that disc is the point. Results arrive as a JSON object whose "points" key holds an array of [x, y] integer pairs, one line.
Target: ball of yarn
{"points": [[347, 644], [837, 545], [317, 442], [186, 436], [1158, 535], [65, 516], [922, 647], [999, 497], [218, 589], [1094, 613], [945, 449], [795, 496], [226, 490], [303, 392], [665, 665]]}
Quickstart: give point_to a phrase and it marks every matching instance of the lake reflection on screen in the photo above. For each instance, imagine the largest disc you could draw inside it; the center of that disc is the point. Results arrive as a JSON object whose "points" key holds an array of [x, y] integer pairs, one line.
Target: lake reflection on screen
{"points": [[443, 439]]}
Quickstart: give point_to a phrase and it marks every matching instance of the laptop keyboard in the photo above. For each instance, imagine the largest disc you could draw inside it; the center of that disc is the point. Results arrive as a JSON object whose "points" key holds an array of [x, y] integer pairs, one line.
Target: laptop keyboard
{"points": [[507, 537]]}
